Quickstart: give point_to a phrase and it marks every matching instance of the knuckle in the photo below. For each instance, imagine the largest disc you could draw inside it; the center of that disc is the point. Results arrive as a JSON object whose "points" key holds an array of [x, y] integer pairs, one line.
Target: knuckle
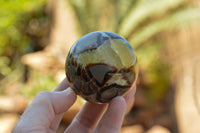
{"points": [[44, 95]]}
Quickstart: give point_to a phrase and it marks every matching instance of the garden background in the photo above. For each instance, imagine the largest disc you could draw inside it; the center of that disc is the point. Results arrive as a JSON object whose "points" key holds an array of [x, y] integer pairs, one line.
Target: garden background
{"points": [[35, 37]]}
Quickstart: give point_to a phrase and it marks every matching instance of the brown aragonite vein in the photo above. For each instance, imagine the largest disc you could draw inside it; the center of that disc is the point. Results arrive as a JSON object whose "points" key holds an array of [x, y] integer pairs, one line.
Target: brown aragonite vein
{"points": [[99, 72]]}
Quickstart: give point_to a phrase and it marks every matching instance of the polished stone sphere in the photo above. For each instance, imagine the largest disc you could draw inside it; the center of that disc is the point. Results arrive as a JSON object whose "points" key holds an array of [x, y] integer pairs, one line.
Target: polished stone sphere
{"points": [[100, 66]]}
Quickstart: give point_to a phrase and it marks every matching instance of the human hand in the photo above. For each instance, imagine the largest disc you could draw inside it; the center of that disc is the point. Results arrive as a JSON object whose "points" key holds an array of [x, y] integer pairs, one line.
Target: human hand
{"points": [[44, 114]]}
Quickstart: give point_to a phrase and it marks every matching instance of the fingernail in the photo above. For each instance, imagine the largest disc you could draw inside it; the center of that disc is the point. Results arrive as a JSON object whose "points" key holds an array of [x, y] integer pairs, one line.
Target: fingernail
{"points": [[119, 98], [68, 90]]}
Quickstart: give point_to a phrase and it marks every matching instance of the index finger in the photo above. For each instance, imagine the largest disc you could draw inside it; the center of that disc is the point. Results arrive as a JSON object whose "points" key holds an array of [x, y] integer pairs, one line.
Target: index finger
{"points": [[63, 85]]}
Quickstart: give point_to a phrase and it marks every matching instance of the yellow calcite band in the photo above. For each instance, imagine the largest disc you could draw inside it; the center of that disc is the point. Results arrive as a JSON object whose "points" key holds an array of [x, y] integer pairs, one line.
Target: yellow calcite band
{"points": [[114, 52]]}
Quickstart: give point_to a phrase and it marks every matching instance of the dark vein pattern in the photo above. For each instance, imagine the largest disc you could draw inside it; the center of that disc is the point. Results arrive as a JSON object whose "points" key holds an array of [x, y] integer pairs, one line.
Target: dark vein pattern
{"points": [[97, 82]]}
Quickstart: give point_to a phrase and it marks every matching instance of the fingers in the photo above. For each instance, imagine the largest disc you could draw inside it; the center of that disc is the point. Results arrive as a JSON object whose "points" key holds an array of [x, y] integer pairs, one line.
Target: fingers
{"points": [[42, 111], [61, 101], [129, 98], [60, 105], [55, 123], [113, 118], [87, 119], [63, 85]]}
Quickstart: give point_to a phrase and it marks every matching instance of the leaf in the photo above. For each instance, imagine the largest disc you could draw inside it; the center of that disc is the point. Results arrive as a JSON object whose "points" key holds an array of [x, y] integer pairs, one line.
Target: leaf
{"points": [[185, 16], [144, 10]]}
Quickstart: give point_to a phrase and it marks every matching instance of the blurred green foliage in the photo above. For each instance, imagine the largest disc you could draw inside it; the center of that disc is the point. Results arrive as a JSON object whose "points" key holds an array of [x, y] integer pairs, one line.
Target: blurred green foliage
{"points": [[16, 18], [23, 29], [38, 82]]}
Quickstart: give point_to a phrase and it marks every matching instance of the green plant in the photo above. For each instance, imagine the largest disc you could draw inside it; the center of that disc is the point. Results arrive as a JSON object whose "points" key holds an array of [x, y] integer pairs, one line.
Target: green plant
{"points": [[38, 82], [13, 16], [23, 26]]}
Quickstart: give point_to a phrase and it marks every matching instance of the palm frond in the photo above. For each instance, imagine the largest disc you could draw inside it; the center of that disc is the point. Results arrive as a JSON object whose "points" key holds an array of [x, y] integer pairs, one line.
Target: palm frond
{"points": [[144, 10], [180, 18]]}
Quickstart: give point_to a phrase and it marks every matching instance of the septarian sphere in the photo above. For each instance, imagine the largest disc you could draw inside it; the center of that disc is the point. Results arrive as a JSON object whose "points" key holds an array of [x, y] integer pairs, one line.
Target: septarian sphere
{"points": [[100, 66]]}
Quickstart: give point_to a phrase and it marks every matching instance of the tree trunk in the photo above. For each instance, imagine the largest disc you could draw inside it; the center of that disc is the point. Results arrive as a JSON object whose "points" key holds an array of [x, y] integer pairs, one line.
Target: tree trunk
{"points": [[63, 34], [184, 52]]}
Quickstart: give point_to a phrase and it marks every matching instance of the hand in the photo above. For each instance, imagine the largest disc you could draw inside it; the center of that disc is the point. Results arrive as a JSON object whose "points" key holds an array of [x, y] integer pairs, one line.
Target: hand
{"points": [[44, 114]]}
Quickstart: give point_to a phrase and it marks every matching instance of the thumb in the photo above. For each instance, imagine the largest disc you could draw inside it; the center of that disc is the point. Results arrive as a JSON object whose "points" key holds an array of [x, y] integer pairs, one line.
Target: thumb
{"points": [[54, 102], [63, 100], [46, 105]]}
